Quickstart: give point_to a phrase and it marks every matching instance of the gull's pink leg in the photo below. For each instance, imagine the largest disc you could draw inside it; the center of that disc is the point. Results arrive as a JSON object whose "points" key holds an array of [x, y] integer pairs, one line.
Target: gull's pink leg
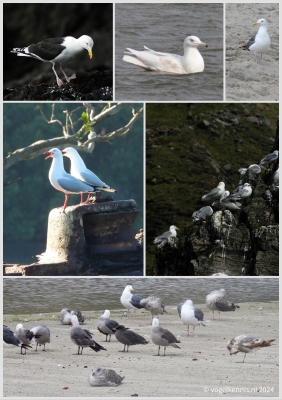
{"points": [[66, 202], [67, 78], [59, 82]]}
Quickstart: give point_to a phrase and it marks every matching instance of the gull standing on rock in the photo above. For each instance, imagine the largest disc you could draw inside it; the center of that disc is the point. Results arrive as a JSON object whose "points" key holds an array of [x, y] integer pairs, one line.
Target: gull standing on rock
{"points": [[190, 315], [167, 237], [228, 202], [162, 337], [59, 50], [202, 214], [270, 158], [242, 193], [246, 344], [63, 181], [42, 335], [82, 337], [79, 171], [191, 62], [215, 194], [105, 325], [104, 377]]}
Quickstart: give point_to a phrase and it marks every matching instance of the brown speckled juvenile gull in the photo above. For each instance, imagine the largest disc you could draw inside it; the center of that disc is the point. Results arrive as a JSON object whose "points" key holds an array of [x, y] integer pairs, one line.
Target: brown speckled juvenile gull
{"points": [[246, 344], [153, 304], [104, 377]]}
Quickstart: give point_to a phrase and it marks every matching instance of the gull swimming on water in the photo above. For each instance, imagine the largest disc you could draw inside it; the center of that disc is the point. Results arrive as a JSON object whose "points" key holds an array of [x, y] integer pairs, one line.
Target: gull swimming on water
{"points": [[191, 62]]}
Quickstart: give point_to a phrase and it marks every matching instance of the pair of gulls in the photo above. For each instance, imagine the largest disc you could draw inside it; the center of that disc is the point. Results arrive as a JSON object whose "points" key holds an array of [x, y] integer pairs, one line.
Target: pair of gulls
{"points": [[80, 180], [23, 338]]}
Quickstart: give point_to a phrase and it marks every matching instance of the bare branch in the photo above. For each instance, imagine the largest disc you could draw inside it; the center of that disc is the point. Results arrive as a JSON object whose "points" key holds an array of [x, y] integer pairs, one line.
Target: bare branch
{"points": [[13, 181]]}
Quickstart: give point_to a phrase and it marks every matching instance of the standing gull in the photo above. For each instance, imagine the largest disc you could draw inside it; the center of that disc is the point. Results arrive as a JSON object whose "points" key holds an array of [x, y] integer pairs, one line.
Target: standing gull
{"points": [[260, 42], [190, 315], [162, 337], [42, 335], [191, 62], [59, 50], [25, 335], [10, 340], [167, 237], [104, 377], [242, 193], [128, 337], [270, 158], [153, 304], [246, 344], [129, 300], [215, 301], [82, 337], [63, 181], [79, 171], [215, 194], [105, 325]]}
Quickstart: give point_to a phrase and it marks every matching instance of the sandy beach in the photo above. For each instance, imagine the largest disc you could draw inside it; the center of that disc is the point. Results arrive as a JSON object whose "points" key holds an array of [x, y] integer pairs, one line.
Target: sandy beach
{"points": [[246, 80], [201, 368]]}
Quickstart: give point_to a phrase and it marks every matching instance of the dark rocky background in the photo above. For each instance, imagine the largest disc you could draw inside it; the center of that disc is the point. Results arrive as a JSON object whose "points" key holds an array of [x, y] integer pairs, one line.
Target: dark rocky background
{"points": [[25, 24], [190, 149]]}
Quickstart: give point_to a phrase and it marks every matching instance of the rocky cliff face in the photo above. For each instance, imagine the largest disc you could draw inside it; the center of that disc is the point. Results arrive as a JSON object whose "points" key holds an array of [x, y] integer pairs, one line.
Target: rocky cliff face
{"points": [[237, 243]]}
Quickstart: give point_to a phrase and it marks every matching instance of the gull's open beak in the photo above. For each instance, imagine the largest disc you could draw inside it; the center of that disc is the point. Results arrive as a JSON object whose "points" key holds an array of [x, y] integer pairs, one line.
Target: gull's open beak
{"points": [[50, 154]]}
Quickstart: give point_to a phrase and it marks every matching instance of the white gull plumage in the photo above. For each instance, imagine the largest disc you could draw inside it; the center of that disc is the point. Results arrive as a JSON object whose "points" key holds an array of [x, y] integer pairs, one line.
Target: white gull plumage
{"points": [[191, 62]]}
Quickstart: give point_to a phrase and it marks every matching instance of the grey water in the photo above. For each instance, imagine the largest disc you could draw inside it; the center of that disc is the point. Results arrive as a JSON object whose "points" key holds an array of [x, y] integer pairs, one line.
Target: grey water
{"points": [[163, 27], [45, 295]]}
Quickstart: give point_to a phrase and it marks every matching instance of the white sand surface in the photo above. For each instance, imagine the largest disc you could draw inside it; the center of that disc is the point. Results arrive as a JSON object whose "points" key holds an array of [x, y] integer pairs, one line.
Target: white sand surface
{"points": [[201, 368]]}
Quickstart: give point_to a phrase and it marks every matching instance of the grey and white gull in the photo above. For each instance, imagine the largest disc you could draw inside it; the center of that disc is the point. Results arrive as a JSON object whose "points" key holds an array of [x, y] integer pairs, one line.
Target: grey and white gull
{"points": [[82, 337], [105, 325], [167, 237], [246, 344], [162, 337], [42, 333], [190, 315]]}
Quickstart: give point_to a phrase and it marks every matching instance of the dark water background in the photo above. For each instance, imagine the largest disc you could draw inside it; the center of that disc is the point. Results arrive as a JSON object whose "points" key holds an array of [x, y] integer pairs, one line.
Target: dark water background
{"points": [[44, 295], [163, 27]]}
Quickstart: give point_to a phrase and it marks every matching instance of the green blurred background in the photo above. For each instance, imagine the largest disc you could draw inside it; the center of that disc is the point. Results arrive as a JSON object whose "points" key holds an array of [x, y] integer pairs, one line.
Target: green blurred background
{"points": [[28, 201]]}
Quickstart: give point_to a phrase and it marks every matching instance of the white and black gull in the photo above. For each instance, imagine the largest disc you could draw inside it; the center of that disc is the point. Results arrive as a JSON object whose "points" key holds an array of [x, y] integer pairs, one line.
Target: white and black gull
{"points": [[260, 42], [25, 335], [10, 340], [130, 301], [215, 301], [190, 315], [191, 62], [57, 50]]}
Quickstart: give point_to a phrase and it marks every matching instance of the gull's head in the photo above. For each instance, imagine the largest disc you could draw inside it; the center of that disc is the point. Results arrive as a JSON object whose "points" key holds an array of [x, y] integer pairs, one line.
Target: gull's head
{"points": [[53, 153], [74, 321], [193, 41], [129, 288], [221, 185], [173, 227], [230, 345], [106, 314], [69, 152], [155, 322], [260, 22], [19, 327], [87, 43]]}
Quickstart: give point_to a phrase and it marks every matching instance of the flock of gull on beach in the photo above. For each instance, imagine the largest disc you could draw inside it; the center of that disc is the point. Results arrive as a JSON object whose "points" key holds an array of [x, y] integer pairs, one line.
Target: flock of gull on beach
{"points": [[188, 313], [226, 200]]}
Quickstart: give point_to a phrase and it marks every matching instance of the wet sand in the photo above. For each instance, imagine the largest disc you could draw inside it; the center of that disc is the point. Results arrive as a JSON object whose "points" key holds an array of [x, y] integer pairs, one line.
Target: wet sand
{"points": [[245, 80], [201, 368]]}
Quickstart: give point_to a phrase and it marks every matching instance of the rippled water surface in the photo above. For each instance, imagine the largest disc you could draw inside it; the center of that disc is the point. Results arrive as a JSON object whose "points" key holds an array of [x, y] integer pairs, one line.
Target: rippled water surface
{"points": [[163, 27], [44, 295]]}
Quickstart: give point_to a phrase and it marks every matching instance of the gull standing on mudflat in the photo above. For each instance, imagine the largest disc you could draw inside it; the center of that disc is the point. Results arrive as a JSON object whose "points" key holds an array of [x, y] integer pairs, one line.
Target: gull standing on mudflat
{"points": [[191, 62], [66, 315], [260, 42], [105, 325], [25, 335], [82, 337], [162, 337], [42, 335], [212, 298], [190, 315], [59, 50], [153, 304], [129, 300], [128, 337], [246, 344], [10, 340]]}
